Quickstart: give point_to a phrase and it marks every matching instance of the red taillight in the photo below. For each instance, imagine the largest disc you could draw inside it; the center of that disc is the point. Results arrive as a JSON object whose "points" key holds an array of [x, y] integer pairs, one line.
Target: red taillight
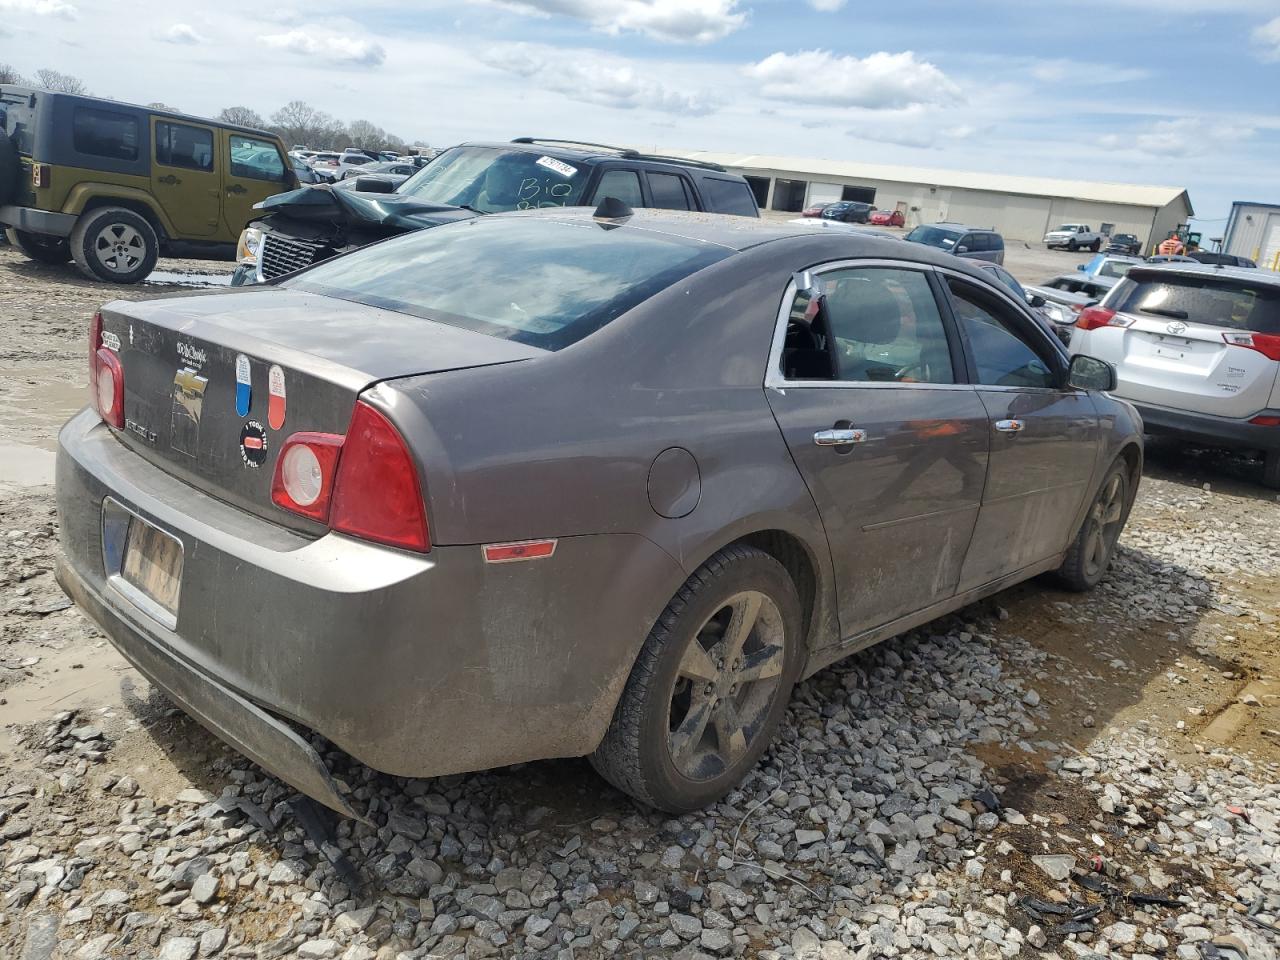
{"points": [[377, 494], [108, 387], [1091, 318], [95, 341], [305, 473], [1266, 421], [1267, 344]]}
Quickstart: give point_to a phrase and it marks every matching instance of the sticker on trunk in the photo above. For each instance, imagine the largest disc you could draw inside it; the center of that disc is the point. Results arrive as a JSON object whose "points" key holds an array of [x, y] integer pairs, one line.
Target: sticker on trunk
{"points": [[111, 341], [559, 166], [275, 397], [188, 404], [253, 444], [244, 385]]}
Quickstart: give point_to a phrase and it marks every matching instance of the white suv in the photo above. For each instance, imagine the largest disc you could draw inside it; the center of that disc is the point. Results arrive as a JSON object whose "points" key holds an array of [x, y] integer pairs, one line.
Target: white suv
{"points": [[1197, 350]]}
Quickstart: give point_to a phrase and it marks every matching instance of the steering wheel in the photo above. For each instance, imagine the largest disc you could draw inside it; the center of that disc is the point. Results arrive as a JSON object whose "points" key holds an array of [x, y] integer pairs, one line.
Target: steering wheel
{"points": [[917, 367]]}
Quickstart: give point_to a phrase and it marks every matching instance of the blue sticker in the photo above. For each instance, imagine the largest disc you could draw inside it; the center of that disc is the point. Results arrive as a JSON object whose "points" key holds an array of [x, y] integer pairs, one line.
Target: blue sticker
{"points": [[244, 389]]}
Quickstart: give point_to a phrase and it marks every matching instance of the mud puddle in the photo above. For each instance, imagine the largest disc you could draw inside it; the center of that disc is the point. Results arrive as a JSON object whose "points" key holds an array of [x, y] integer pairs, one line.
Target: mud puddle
{"points": [[24, 466], [76, 677]]}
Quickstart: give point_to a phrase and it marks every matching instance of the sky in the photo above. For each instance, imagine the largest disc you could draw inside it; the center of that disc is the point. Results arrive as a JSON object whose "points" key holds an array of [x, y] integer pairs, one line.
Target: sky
{"points": [[1179, 93]]}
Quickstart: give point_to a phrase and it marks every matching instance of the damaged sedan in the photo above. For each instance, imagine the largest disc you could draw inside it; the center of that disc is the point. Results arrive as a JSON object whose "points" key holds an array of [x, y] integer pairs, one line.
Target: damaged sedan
{"points": [[571, 483]]}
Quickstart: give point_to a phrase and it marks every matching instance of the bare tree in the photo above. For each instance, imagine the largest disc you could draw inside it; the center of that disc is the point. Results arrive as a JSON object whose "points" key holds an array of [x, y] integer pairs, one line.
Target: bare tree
{"points": [[299, 122], [61, 82], [158, 105], [243, 117], [9, 74]]}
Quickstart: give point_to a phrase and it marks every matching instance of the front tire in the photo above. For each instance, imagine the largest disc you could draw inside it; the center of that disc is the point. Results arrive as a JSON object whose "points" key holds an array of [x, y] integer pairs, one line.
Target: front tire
{"points": [[1071, 246], [114, 244], [1096, 246], [1094, 547], [710, 685], [40, 248]]}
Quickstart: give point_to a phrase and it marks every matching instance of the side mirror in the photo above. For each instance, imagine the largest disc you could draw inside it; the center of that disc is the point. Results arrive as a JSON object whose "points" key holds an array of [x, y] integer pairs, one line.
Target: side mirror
{"points": [[1036, 300], [1090, 373], [374, 185], [962, 249]]}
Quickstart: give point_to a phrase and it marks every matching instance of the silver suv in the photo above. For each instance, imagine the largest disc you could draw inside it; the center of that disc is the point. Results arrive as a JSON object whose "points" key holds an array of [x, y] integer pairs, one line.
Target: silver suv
{"points": [[976, 243], [1197, 350]]}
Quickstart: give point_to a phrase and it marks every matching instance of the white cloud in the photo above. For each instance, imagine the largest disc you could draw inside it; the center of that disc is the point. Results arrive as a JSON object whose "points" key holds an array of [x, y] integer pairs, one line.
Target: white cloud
{"points": [[590, 77], [182, 33], [827, 6], [1080, 72], [326, 46], [881, 81], [676, 21], [1267, 37], [42, 8], [1185, 136], [925, 135]]}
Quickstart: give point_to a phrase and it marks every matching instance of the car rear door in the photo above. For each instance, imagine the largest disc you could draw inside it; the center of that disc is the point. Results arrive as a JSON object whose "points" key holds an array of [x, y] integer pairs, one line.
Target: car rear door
{"points": [[1200, 340], [891, 446], [253, 170], [184, 175], [1043, 435]]}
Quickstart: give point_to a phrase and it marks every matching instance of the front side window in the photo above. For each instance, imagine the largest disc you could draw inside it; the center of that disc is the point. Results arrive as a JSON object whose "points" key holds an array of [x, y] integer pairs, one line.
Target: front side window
{"points": [[255, 159], [622, 185], [1000, 352], [105, 133], [973, 242], [494, 180], [868, 325], [1005, 277], [178, 145]]}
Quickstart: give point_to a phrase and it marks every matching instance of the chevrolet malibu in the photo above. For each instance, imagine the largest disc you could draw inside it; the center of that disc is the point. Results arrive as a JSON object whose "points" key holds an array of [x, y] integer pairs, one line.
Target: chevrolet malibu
{"points": [[571, 483]]}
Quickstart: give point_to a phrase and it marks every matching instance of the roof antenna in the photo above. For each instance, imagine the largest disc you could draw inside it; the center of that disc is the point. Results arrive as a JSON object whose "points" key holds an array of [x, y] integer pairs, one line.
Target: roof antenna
{"points": [[611, 208]]}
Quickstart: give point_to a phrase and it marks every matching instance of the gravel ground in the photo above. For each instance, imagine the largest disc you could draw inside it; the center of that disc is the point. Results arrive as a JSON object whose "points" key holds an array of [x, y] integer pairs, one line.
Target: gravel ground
{"points": [[1042, 774]]}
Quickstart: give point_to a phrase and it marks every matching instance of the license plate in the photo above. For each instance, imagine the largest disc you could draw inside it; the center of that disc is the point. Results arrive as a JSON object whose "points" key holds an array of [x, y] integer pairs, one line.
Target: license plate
{"points": [[152, 564]]}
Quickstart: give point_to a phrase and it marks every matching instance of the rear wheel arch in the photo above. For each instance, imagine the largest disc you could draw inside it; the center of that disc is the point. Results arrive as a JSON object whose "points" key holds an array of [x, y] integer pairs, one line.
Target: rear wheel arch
{"points": [[132, 204]]}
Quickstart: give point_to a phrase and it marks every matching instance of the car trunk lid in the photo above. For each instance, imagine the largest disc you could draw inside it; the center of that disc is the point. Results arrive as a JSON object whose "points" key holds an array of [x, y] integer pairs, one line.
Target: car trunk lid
{"points": [[211, 401]]}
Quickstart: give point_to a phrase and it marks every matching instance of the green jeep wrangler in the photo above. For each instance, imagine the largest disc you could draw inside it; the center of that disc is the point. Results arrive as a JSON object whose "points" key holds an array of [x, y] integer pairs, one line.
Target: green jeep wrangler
{"points": [[112, 185]]}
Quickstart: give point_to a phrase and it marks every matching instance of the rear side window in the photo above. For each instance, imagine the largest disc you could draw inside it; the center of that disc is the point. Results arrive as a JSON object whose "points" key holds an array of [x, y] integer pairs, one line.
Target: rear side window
{"points": [[668, 191], [178, 145], [105, 133], [622, 185], [546, 283], [995, 241], [729, 196], [1208, 300]]}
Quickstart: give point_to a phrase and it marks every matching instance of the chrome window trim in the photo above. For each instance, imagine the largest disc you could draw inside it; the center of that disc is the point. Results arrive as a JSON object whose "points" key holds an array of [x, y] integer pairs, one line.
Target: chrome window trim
{"points": [[774, 378]]}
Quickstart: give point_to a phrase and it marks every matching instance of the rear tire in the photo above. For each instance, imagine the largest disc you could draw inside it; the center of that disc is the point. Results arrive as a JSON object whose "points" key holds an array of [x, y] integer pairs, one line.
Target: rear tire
{"points": [[710, 685], [1096, 246], [1271, 469], [1091, 552], [114, 244], [39, 247]]}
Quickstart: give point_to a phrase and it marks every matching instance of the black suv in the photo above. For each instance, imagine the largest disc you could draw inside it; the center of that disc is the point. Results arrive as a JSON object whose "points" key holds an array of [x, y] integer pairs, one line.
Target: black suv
{"points": [[306, 226]]}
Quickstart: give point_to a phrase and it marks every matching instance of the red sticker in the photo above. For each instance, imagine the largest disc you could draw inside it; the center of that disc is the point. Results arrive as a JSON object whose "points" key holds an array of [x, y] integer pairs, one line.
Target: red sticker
{"points": [[275, 397]]}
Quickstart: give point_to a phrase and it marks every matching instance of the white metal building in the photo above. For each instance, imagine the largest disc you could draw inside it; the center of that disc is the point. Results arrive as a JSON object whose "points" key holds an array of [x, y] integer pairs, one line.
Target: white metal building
{"points": [[1021, 208], [1253, 231]]}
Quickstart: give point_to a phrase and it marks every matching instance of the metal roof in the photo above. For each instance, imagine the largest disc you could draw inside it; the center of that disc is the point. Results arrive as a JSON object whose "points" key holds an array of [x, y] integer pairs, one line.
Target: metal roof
{"points": [[1123, 193]]}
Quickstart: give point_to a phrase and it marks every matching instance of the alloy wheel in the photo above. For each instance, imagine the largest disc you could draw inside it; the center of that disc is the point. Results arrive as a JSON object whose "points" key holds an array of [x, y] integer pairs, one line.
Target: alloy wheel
{"points": [[1104, 525], [725, 685], [119, 247]]}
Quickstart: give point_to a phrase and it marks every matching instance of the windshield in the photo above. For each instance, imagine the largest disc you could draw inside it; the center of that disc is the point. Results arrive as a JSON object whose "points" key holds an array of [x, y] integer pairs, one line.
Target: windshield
{"points": [[1069, 228], [494, 180], [934, 237], [543, 282], [1208, 300], [1113, 268]]}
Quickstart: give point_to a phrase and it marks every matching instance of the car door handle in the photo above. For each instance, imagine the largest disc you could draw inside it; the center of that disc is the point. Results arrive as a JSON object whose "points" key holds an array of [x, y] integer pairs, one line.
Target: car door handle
{"points": [[1010, 426], [236, 188], [169, 180], [839, 438]]}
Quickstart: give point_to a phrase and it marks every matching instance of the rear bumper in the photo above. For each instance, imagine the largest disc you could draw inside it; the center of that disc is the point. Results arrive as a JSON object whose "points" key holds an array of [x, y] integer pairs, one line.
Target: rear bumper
{"points": [[38, 221], [416, 665], [1210, 430]]}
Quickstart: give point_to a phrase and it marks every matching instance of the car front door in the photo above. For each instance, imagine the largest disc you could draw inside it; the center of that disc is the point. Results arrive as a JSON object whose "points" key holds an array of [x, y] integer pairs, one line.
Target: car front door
{"points": [[863, 382], [254, 171], [1044, 436], [184, 176]]}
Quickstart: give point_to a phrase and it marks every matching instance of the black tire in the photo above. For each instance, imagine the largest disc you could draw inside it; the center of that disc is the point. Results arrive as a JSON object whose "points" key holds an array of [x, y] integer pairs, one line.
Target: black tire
{"points": [[114, 235], [1091, 552], [10, 169], [637, 754], [1271, 469], [1071, 246], [1095, 246], [39, 247]]}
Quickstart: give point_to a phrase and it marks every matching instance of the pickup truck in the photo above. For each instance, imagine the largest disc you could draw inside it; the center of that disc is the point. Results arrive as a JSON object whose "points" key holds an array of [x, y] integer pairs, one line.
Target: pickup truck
{"points": [[1074, 236]]}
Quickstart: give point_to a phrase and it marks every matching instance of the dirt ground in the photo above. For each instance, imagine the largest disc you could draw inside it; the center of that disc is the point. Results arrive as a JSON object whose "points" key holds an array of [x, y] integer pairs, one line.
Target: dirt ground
{"points": [[1199, 671]]}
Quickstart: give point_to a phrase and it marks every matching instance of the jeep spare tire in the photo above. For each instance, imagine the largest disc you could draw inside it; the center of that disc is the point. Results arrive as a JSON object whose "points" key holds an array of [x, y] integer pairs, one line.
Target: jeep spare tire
{"points": [[39, 247], [10, 170], [114, 244]]}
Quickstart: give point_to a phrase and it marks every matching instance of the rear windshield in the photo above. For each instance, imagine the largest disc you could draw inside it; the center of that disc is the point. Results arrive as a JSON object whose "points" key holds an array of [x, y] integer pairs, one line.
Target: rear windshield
{"points": [[1209, 300], [543, 282], [934, 237]]}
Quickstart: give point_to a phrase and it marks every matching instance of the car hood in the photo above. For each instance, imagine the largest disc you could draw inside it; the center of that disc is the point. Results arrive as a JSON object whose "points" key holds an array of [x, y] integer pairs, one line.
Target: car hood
{"points": [[396, 211]]}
